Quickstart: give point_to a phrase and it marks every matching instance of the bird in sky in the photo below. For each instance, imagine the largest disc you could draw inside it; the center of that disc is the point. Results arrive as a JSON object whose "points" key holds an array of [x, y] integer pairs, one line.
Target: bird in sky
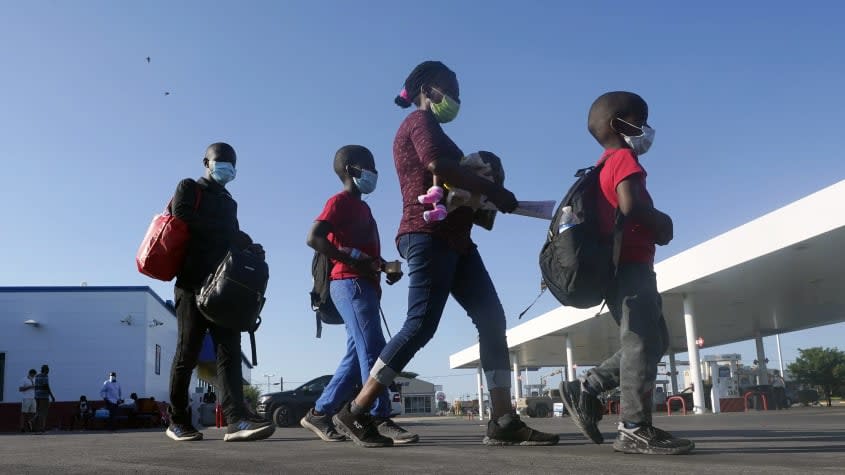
{"points": [[148, 59], [166, 93]]}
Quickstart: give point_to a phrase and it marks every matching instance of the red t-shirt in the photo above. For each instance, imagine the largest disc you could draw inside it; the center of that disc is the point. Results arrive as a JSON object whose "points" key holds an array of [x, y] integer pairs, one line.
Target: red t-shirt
{"points": [[353, 226], [419, 141], [637, 239]]}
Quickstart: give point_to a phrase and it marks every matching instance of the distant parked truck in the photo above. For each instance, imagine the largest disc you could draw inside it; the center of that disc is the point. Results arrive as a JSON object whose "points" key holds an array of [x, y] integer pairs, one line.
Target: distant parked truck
{"points": [[538, 406]]}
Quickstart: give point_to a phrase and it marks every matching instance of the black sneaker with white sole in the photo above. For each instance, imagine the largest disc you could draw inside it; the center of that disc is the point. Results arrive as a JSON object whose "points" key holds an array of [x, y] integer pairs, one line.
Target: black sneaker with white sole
{"points": [[183, 432], [510, 430], [248, 429], [322, 426], [648, 439], [361, 429], [585, 409], [394, 431]]}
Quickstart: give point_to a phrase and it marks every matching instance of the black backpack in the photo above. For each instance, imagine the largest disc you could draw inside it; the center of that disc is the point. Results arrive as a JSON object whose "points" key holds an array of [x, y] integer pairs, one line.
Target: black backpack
{"points": [[233, 296], [577, 261], [321, 299]]}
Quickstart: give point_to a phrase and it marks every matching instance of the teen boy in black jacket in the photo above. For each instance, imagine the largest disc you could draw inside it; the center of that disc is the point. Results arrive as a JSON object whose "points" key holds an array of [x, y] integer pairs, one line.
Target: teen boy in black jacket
{"points": [[211, 214]]}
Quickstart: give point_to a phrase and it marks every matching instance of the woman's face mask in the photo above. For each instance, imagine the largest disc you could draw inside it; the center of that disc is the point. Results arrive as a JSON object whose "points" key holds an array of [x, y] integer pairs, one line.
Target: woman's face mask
{"points": [[446, 110], [222, 172]]}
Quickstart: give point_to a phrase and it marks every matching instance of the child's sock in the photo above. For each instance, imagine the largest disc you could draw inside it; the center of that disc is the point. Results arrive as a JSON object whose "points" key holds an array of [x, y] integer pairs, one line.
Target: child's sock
{"points": [[356, 409]]}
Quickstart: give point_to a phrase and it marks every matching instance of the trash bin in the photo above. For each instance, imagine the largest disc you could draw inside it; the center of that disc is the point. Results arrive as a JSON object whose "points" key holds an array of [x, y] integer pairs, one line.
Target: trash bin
{"points": [[757, 400]]}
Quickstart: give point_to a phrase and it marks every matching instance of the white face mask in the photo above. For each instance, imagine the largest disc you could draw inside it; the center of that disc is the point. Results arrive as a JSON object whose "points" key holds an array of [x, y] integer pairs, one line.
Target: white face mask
{"points": [[639, 143]]}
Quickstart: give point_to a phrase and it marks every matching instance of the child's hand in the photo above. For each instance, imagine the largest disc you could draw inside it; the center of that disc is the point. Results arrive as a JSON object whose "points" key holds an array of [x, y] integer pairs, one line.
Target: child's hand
{"points": [[366, 267], [666, 232], [393, 277]]}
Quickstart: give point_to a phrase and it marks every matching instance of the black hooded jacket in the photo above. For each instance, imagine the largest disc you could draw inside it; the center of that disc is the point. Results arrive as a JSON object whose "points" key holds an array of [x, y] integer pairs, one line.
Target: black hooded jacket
{"points": [[213, 226]]}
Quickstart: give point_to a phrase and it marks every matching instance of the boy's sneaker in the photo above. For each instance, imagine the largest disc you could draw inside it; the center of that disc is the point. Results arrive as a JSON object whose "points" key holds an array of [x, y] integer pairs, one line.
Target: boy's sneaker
{"points": [[585, 409], [650, 440], [510, 430], [183, 432], [322, 426], [361, 429], [248, 429], [394, 431]]}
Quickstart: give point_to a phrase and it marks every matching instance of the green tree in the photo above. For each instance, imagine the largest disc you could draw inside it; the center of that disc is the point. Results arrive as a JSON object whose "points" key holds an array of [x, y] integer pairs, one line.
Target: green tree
{"points": [[820, 367], [251, 394]]}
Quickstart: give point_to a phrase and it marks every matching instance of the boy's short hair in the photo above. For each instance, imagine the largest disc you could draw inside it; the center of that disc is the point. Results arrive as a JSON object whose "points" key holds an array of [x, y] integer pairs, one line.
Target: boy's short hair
{"points": [[32, 371], [609, 106], [349, 155]]}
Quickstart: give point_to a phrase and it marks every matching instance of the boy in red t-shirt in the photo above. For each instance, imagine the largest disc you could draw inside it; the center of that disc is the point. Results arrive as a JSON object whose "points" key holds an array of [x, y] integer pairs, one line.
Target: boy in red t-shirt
{"points": [[619, 122], [347, 233]]}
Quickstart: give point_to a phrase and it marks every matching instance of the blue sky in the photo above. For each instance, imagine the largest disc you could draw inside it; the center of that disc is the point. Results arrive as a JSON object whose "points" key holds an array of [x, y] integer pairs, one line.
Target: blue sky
{"points": [[746, 101]]}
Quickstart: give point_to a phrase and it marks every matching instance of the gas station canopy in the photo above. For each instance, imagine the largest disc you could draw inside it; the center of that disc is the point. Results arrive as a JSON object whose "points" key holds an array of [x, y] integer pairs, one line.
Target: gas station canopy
{"points": [[779, 273]]}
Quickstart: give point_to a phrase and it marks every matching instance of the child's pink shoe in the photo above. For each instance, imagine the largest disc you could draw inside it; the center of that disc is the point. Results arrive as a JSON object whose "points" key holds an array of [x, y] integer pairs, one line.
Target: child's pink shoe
{"points": [[437, 214], [433, 195]]}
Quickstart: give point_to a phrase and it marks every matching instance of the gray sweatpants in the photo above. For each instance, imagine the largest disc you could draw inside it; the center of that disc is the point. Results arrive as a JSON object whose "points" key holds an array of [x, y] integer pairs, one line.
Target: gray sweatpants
{"points": [[638, 310]]}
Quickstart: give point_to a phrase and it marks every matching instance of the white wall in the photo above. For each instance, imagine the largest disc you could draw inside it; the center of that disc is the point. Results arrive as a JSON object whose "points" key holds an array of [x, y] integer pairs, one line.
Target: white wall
{"points": [[81, 337], [164, 335]]}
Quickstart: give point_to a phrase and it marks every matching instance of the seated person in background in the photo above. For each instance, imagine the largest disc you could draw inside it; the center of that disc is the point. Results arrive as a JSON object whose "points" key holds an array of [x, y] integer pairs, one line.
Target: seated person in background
{"points": [[132, 404], [83, 413], [209, 397]]}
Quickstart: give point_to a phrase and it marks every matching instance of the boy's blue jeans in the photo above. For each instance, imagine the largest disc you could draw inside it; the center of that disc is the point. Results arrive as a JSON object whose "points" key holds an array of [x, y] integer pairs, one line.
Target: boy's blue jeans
{"points": [[434, 271], [357, 302]]}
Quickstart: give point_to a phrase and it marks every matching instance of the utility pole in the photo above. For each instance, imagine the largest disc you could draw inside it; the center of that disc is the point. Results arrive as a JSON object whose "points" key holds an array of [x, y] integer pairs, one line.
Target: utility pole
{"points": [[268, 376]]}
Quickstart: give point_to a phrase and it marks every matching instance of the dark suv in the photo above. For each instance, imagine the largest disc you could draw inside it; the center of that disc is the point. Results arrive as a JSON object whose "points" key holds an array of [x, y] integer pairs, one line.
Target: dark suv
{"points": [[286, 408]]}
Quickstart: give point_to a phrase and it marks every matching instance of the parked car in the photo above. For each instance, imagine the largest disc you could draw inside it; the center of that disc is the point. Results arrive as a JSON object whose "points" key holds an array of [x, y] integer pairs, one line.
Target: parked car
{"points": [[286, 408]]}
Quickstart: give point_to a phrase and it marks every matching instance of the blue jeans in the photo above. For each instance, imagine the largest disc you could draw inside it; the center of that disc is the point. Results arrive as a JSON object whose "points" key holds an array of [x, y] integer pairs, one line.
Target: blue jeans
{"points": [[357, 303], [434, 271]]}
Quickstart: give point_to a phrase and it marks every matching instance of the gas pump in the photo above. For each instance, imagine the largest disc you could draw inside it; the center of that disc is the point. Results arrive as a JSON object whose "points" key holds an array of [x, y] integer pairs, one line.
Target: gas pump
{"points": [[723, 371]]}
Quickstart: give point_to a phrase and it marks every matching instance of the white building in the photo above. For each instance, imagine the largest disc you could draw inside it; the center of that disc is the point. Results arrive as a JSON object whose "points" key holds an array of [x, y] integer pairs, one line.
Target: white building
{"points": [[83, 333], [417, 396]]}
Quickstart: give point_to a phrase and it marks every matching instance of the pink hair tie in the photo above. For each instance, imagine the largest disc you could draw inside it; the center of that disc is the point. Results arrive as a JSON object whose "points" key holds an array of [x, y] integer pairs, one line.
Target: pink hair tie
{"points": [[404, 94]]}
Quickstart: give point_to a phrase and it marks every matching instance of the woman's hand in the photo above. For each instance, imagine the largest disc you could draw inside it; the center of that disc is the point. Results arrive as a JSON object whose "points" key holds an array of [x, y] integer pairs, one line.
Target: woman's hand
{"points": [[504, 200]]}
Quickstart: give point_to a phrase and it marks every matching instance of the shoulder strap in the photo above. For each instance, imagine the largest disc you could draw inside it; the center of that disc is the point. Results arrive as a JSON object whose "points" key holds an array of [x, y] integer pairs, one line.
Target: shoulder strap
{"points": [[197, 199]]}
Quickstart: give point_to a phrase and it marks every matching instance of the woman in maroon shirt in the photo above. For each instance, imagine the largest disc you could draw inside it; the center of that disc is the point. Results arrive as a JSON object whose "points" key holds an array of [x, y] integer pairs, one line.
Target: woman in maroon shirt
{"points": [[442, 260]]}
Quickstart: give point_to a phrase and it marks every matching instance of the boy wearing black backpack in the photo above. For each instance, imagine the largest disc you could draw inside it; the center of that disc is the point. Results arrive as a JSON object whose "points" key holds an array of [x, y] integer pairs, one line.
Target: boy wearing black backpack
{"points": [[618, 121], [347, 234]]}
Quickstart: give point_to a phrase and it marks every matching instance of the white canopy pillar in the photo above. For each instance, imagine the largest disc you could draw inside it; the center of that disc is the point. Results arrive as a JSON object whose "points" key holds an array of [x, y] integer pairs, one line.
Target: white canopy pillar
{"points": [[517, 387], [692, 349], [780, 355], [480, 386], [762, 371], [570, 363], [673, 373]]}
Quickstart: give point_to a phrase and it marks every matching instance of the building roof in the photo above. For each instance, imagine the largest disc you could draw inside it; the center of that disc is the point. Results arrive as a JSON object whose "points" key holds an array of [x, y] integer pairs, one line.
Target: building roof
{"points": [[85, 288], [779, 273]]}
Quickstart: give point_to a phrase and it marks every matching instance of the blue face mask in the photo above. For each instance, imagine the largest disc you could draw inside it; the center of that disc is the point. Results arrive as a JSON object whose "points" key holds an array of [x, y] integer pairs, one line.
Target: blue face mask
{"points": [[222, 172], [366, 183]]}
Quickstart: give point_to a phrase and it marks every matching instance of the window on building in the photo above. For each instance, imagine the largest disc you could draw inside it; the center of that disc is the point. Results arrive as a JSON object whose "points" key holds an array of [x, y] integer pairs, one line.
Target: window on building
{"points": [[417, 405], [158, 359]]}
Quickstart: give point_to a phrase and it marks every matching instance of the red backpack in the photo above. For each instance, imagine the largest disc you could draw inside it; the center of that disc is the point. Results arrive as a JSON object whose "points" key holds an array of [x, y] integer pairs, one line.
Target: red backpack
{"points": [[163, 249]]}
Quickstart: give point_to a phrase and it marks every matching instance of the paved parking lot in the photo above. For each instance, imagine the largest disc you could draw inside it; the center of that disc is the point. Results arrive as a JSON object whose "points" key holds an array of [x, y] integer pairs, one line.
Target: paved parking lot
{"points": [[801, 440]]}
